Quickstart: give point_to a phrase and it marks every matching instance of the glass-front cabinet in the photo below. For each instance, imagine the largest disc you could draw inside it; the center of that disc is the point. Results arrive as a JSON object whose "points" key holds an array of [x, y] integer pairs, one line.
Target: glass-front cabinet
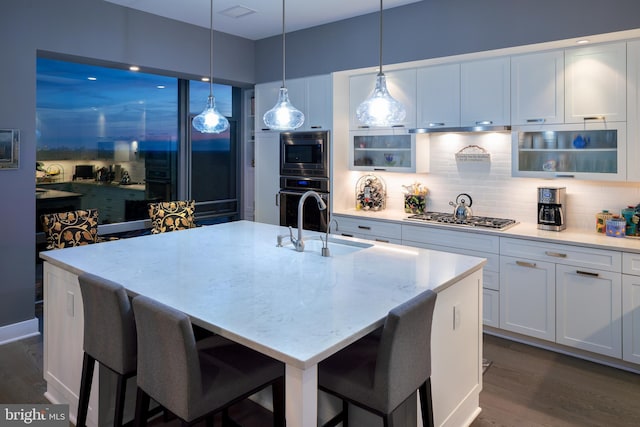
{"points": [[388, 151], [591, 151]]}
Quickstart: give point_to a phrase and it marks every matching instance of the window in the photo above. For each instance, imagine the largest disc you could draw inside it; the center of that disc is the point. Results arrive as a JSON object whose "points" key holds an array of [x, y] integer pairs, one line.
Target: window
{"points": [[108, 138]]}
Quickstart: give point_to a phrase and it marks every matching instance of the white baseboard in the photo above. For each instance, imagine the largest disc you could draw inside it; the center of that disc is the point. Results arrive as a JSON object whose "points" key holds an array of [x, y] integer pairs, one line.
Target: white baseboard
{"points": [[18, 331]]}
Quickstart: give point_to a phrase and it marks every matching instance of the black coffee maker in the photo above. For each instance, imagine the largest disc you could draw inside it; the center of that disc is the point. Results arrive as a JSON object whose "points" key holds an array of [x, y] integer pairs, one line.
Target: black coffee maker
{"points": [[551, 208]]}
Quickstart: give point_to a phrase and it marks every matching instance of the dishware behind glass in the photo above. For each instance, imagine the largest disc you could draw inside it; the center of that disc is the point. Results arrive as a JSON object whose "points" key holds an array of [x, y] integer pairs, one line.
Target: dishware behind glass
{"points": [[580, 141]]}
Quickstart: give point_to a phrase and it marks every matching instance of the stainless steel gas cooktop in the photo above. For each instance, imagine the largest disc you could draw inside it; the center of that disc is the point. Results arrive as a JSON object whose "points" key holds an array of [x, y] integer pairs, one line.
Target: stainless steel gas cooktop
{"points": [[474, 221]]}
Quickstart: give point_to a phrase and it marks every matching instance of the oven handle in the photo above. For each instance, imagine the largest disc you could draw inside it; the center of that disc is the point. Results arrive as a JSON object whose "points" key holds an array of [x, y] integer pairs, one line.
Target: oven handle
{"points": [[300, 193]]}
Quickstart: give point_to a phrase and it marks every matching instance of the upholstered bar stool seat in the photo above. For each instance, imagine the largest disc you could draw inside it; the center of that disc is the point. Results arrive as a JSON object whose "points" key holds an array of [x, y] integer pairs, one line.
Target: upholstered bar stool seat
{"points": [[109, 339], [382, 370], [194, 384]]}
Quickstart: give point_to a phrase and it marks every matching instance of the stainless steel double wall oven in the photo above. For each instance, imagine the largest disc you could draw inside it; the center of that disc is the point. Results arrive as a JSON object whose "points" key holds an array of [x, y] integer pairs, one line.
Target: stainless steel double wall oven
{"points": [[304, 165]]}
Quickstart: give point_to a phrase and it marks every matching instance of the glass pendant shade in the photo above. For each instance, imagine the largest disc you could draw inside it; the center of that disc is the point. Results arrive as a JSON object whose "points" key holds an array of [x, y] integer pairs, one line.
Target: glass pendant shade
{"points": [[210, 120], [283, 116], [380, 108]]}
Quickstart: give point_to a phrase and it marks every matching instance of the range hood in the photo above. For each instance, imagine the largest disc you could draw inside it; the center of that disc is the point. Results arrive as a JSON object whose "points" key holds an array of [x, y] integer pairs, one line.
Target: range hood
{"points": [[480, 127]]}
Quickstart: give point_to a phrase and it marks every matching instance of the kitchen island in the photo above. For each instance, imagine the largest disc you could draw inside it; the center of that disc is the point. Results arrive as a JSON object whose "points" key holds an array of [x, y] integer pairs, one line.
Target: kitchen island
{"points": [[297, 307]]}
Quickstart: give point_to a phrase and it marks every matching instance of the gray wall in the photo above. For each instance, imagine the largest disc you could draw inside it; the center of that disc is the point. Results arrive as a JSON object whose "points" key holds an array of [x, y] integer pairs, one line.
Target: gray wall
{"points": [[103, 31], [438, 28], [92, 29]]}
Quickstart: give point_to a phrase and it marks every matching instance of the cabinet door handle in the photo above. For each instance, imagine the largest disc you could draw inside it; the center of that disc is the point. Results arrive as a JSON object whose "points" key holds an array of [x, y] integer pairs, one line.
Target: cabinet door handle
{"points": [[364, 227], [277, 199], [558, 175], [363, 127], [379, 169], [555, 254], [593, 118], [436, 124], [536, 120], [382, 240], [587, 273], [484, 122], [316, 127], [346, 234], [397, 126], [526, 264]]}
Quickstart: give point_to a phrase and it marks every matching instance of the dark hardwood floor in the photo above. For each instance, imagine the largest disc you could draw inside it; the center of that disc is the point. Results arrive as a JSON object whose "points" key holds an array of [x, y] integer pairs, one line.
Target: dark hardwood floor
{"points": [[524, 387]]}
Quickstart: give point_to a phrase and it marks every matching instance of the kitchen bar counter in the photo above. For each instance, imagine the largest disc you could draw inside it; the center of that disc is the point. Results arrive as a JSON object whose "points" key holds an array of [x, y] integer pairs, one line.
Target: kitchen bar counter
{"points": [[570, 236], [296, 307]]}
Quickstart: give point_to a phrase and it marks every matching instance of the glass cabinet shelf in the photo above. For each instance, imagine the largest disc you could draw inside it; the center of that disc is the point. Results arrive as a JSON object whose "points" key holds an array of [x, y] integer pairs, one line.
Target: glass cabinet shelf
{"points": [[384, 151], [586, 153]]}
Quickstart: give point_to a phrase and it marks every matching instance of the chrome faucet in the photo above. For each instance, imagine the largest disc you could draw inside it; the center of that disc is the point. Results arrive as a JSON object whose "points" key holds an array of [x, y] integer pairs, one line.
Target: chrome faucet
{"points": [[299, 243], [325, 242]]}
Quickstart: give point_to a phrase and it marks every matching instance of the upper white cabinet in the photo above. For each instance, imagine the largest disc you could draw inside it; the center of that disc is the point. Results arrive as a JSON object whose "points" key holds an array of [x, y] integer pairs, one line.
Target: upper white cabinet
{"points": [[311, 95], [485, 92], [401, 85], [537, 88], [633, 110], [595, 83], [266, 95], [388, 150], [438, 96]]}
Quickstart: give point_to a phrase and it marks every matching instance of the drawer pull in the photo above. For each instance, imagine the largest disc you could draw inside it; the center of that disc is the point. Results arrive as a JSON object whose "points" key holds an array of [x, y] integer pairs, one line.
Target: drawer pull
{"points": [[346, 234], [535, 120], [587, 273], [555, 254], [526, 264], [382, 240], [364, 227]]}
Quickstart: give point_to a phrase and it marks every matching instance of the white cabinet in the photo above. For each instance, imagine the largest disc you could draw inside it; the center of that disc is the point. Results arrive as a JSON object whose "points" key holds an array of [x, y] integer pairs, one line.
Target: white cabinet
{"points": [[631, 307], [589, 310], [527, 297], [267, 177], [595, 83], [633, 110], [485, 92], [363, 228], [392, 150], [464, 243], [438, 96], [311, 95], [572, 293], [537, 88], [266, 95], [401, 85], [542, 152]]}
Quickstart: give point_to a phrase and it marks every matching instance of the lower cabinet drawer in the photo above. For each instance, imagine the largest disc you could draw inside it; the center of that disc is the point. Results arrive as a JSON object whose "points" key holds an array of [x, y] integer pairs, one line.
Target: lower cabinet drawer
{"points": [[368, 229], [631, 263], [578, 256]]}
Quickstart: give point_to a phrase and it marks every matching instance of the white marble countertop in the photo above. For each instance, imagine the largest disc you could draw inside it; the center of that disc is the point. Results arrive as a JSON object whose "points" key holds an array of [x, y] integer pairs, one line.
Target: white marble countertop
{"points": [[233, 279], [521, 230]]}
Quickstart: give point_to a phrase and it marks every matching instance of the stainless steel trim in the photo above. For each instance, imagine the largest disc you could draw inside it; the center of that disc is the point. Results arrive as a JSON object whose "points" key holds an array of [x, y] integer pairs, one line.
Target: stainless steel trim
{"points": [[463, 129]]}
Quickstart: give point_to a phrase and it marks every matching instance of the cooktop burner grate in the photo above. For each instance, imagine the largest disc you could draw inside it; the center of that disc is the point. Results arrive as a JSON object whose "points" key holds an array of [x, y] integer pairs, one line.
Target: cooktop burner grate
{"points": [[474, 221]]}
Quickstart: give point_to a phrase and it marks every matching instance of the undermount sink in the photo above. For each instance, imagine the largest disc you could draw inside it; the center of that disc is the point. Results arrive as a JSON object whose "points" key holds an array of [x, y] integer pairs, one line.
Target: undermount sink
{"points": [[336, 246]]}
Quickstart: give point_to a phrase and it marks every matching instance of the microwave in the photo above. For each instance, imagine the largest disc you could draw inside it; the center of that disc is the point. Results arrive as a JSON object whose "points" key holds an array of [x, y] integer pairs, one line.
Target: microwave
{"points": [[304, 154]]}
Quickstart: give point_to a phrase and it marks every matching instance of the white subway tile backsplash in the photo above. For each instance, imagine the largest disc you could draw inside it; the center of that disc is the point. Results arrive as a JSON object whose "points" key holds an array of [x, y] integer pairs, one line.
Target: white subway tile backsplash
{"points": [[495, 192]]}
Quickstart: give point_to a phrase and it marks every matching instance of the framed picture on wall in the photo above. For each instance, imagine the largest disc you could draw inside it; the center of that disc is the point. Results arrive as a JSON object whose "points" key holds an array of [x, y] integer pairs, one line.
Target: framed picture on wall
{"points": [[9, 148]]}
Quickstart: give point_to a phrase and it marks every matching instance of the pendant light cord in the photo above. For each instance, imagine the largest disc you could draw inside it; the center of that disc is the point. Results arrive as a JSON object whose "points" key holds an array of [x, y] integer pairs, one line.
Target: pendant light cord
{"points": [[211, 51], [283, 45], [380, 71]]}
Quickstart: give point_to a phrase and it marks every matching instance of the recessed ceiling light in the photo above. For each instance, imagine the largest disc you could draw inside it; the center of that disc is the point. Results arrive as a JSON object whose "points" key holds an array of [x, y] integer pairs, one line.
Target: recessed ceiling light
{"points": [[205, 79], [582, 41], [237, 11], [134, 68], [92, 78]]}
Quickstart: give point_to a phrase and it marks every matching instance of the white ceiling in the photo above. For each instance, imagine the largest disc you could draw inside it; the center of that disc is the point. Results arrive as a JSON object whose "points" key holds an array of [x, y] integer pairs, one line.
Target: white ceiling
{"points": [[267, 19]]}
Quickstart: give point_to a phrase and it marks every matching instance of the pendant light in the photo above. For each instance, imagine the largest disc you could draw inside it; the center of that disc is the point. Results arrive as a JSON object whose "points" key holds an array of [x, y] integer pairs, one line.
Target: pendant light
{"points": [[380, 108], [210, 120], [283, 116]]}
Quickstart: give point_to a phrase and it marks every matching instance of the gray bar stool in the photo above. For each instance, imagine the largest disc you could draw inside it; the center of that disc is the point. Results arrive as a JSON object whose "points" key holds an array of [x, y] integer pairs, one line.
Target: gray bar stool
{"points": [[382, 370], [109, 338], [194, 383]]}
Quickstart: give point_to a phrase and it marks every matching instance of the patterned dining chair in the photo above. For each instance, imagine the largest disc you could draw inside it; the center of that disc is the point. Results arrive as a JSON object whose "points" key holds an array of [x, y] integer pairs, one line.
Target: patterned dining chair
{"points": [[172, 216], [69, 229]]}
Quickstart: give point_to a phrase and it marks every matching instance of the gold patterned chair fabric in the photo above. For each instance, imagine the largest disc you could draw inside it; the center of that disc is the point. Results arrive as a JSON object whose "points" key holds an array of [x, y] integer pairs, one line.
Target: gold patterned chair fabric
{"points": [[172, 216], [69, 229]]}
